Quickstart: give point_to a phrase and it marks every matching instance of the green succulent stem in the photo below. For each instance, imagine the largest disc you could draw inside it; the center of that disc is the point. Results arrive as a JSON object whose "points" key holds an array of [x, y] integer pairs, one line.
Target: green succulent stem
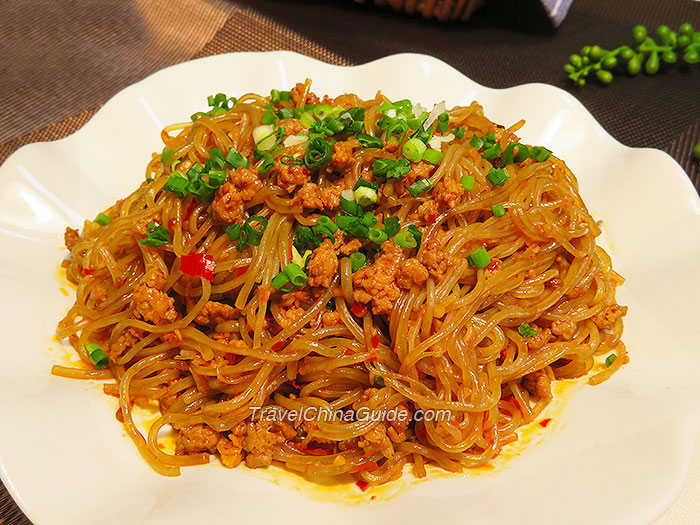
{"points": [[644, 53]]}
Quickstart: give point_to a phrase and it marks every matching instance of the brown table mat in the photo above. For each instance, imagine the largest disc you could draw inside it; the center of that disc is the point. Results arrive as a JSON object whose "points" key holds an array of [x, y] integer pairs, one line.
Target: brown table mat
{"points": [[73, 56]]}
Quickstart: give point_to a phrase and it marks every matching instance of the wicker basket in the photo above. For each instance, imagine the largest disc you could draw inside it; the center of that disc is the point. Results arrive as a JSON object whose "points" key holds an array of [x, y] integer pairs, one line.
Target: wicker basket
{"points": [[442, 10]]}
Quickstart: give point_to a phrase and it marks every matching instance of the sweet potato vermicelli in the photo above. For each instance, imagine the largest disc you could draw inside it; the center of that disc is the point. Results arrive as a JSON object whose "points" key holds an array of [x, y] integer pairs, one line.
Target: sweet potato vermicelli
{"points": [[350, 257]]}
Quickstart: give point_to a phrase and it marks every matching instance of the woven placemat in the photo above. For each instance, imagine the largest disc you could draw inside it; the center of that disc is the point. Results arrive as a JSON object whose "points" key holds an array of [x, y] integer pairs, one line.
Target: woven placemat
{"points": [[101, 46]]}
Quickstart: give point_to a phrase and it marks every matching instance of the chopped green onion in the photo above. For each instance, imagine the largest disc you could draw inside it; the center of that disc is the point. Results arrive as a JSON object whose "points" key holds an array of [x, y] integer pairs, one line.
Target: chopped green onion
{"points": [[380, 167], [378, 381], [459, 132], [251, 234], [305, 238], [264, 137], [610, 360], [322, 111], [433, 156], [235, 159], [423, 134], [234, 232], [102, 219], [285, 113], [156, 235], [540, 153], [405, 239], [356, 228], [268, 118], [492, 152], [281, 282], [479, 258], [420, 186], [327, 224], [377, 235], [368, 219], [329, 126], [343, 221], [443, 122], [477, 142], [266, 164], [357, 261], [149, 180], [97, 356], [526, 330], [498, 210], [217, 157], [417, 235], [386, 106], [398, 170], [491, 137], [365, 196], [467, 182], [364, 183], [391, 226], [285, 95], [497, 176], [413, 149], [508, 157], [318, 153], [404, 107], [349, 207], [166, 154], [307, 119], [522, 154], [295, 274], [391, 169], [368, 141], [275, 97], [177, 184], [416, 123]]}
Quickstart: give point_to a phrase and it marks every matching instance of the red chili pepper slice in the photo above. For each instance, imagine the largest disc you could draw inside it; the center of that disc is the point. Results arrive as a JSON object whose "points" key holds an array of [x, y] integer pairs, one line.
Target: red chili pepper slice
{"points": [[358, 309], [88, 271], [278, 345], [369, 465], [198, 265], [374, 341], [546, 422], [190, 208], [240, 271], [362, 485]]}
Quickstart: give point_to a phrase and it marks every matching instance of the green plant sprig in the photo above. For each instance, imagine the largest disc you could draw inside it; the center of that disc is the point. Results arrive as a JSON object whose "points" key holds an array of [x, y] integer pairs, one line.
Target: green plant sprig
{"points": [[644, 52]]}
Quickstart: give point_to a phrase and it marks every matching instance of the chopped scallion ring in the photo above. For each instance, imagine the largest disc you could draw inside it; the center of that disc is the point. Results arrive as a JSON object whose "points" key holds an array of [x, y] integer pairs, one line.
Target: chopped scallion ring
{"points": [[365, 196], [295, 274], [377, 235], [406, 240], [498, 210], [497, 176], [97, 356], [479, 258], [357, 261], [102, 219], [526, 330], [467, 182], [420, 186], [413, 149], [433, 156]]}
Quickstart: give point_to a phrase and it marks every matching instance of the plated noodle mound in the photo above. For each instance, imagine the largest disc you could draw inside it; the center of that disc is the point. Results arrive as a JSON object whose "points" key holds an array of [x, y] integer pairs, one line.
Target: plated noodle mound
{"points": [[341, 286]]}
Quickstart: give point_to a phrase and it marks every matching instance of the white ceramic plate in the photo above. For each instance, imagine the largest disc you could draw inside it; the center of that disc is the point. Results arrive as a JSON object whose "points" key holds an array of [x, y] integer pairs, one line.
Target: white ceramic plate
{"points": [[619, 453]]}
